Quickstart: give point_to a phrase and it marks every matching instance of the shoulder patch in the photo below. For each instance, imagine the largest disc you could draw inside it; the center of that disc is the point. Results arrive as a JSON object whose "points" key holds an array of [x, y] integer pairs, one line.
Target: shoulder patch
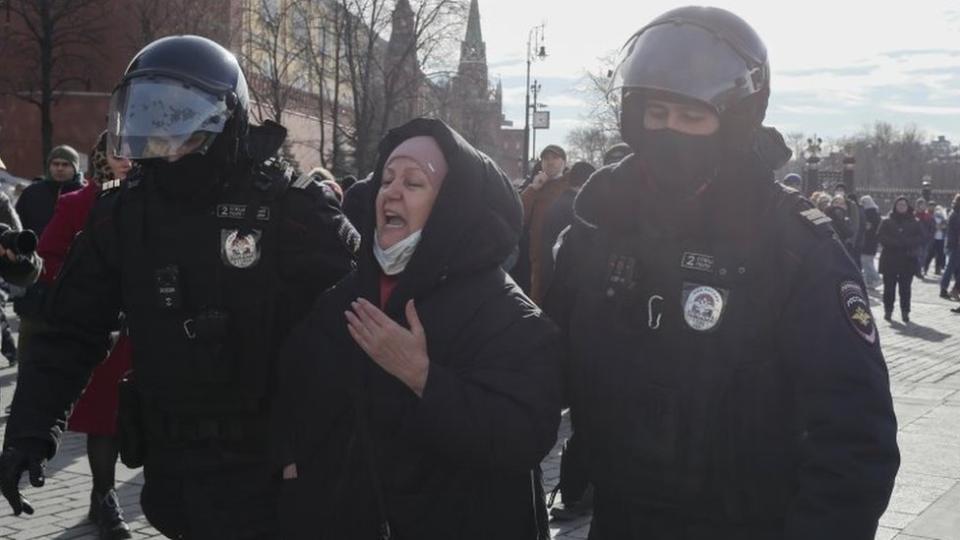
{"points": [[856, 309]]}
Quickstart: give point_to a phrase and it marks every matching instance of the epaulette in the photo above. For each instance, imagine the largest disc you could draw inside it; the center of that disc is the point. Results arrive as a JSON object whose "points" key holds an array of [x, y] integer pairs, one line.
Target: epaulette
{"points": [[303, 182], [813, 219], [109, 185]]}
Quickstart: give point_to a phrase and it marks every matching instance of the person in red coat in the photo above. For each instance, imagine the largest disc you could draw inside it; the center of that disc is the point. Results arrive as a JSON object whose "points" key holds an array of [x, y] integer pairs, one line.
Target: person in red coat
{"points": [[96, 412]]}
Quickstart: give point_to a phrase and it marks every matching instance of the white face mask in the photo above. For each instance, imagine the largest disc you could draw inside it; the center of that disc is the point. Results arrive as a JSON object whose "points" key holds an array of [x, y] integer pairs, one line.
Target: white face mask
{"points": [[395, 258]]}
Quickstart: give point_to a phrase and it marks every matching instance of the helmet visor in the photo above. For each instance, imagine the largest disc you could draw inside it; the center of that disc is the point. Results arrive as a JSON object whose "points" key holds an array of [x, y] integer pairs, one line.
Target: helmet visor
{"points": [[163, 118], [688, 60]]}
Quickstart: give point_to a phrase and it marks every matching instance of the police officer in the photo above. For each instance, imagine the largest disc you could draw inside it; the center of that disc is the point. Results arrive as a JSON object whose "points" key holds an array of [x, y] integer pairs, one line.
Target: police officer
{"points": [[724, 366], [213, 254]]}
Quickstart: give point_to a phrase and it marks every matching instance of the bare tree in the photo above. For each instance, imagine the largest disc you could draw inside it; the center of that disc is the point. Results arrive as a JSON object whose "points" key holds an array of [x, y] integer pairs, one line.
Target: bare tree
{"points": [[382, 81], [158, 18], [52, 47], [273, 56], [601, 123]]}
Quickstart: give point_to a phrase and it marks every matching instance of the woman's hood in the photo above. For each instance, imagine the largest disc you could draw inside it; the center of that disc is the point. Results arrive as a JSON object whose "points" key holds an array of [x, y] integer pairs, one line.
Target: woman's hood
{"points": [[475, 223], [908, 213]]}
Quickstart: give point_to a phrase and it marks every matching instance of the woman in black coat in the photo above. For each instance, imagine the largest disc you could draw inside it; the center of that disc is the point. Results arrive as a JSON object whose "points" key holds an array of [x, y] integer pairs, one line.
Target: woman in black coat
{"points": [[422, 392], [900, 236]]}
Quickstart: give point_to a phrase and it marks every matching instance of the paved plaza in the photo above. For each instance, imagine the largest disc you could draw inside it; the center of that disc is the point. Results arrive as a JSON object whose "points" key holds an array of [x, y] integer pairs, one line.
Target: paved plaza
{"points": [[924, 362]]}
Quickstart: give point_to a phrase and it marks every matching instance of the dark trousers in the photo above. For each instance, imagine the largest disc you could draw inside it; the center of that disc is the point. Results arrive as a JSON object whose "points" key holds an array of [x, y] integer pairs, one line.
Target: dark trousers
{"points": [[935, 253], [891, 281], [210, 492]]}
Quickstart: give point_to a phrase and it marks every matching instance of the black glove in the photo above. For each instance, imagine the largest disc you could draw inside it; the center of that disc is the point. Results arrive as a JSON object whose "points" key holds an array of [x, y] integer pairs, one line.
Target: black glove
{"points": [[21, 455]]}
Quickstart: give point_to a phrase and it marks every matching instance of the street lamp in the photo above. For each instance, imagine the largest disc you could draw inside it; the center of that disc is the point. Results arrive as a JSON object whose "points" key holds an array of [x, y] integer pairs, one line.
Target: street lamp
{"points": [[535, 51], [535, 88], [812, 176]]}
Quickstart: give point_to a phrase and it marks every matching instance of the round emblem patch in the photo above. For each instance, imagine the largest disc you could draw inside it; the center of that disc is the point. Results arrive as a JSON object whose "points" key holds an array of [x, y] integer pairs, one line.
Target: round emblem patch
{"points": [[703, 308], [856, 310], [240, 251]]}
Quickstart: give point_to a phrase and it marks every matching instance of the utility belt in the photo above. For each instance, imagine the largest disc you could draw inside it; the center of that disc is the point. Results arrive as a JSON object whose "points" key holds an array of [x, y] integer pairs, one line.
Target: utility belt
{"points": [[138, 428]]}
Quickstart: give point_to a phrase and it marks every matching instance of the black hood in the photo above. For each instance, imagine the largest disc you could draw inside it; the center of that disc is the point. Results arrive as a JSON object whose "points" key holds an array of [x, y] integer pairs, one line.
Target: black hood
{"points": [[474, 226]]}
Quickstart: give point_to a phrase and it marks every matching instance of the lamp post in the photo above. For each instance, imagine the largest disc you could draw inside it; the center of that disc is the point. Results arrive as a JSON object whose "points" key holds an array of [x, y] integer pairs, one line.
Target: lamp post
{"points": [[812, 176], [535, 50], [535, 88]]}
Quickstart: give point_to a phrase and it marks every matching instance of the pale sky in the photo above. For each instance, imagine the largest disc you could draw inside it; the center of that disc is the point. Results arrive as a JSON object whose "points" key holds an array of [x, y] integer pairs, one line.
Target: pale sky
{"points": [[838, 65]]}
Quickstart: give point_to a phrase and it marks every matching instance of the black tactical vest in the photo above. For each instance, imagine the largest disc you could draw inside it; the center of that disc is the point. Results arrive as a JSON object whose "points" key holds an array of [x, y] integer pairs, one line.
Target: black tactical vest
{"points": [[199, 289], [681, 399]]}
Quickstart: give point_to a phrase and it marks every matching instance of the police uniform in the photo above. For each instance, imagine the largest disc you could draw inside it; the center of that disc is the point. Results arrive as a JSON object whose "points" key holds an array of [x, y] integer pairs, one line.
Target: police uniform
{"points": [[208, 291], [726, 376]]}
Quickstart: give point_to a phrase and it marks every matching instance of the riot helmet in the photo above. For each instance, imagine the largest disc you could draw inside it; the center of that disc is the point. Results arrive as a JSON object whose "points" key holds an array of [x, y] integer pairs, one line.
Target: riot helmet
{"points": [[180, 95], [704, 63]]}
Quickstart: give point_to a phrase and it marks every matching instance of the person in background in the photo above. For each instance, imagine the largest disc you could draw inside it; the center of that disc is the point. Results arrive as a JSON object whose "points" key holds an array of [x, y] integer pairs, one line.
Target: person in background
{"points": [[96, 412], [951, 247], [924, 215], [616, 153], [854, 220], [558, 217], [840, 219], [35, 208], [935, 253], [900, 236], [868, 252], [547, 186], [8, 217], [821, 200]]}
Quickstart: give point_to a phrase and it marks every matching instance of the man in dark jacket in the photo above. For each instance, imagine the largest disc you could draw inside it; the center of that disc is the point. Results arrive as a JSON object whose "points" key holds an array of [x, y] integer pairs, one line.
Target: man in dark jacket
{"points": [[37, 202], [213, 254], [35, 207], [445, 443], [724, 368]]}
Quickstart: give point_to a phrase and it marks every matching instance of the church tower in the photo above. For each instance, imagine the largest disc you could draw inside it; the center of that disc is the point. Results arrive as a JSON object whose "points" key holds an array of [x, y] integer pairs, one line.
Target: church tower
{"points": [[473, 57], [403, 77]]}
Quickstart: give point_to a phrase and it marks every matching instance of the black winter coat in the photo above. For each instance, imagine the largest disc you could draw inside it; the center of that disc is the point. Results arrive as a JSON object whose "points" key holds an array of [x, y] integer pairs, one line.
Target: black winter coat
{"points": [[900, 236], [457, 463], [38, 201], [870, 241], [723, 366], [953, 231], [305, 242]]}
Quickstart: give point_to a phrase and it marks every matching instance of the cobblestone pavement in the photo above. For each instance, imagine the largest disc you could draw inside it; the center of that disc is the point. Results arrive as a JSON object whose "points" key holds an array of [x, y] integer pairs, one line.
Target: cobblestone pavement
{"points": [[924, 362]]}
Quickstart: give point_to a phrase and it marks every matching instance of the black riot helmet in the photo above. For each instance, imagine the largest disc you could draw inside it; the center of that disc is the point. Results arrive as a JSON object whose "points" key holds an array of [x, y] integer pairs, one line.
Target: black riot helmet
{"points": [[180, 95], [702, 54]]}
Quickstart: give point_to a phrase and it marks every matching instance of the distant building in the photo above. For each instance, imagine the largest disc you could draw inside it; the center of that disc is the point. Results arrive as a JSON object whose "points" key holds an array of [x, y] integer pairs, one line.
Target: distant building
{"points": [[476, 110]]}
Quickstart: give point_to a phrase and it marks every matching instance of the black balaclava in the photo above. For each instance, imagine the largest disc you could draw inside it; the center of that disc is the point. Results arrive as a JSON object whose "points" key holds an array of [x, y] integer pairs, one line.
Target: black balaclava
{"points": [[196, 175], [682, 165]]}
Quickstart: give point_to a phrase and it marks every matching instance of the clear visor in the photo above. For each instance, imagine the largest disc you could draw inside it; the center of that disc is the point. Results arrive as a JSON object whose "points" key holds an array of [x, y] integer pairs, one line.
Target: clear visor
{"points": [[688, 60], [163, 118]]}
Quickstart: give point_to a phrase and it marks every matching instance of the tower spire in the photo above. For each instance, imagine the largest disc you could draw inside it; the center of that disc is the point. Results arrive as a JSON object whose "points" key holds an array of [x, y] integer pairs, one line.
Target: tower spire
{"points": [[474, 36]]}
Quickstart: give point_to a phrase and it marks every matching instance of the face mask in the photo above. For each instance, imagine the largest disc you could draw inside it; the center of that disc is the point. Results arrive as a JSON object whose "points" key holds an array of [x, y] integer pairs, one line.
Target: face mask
{"points": [[680, 163], [394, 259], [188, 176]]}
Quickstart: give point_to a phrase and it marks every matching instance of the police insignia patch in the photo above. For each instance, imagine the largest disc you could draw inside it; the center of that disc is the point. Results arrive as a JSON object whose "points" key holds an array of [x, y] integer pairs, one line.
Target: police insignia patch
{"points": [[703, 306], [856, 308], [239, 251]]}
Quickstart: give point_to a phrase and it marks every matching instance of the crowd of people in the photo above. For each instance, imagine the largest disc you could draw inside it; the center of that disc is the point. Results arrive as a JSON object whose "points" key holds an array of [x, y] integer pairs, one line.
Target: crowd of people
{"points": [[908, 239], [389, 358]]}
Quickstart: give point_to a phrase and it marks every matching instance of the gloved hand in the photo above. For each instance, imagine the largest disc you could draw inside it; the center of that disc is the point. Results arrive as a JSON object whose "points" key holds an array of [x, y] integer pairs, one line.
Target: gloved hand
{"points": [[21, 455]]}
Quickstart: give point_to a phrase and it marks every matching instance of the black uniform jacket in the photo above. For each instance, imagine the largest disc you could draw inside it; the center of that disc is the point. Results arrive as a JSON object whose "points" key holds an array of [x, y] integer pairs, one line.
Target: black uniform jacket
{"points": [[456, 463], [100, 278], [723, 366]]}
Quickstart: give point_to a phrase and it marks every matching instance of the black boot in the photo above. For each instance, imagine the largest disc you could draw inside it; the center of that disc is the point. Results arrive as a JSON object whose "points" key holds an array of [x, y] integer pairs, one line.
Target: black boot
{"points": [[905, 315], [888, 316], [112, 525], [93, 514]]}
